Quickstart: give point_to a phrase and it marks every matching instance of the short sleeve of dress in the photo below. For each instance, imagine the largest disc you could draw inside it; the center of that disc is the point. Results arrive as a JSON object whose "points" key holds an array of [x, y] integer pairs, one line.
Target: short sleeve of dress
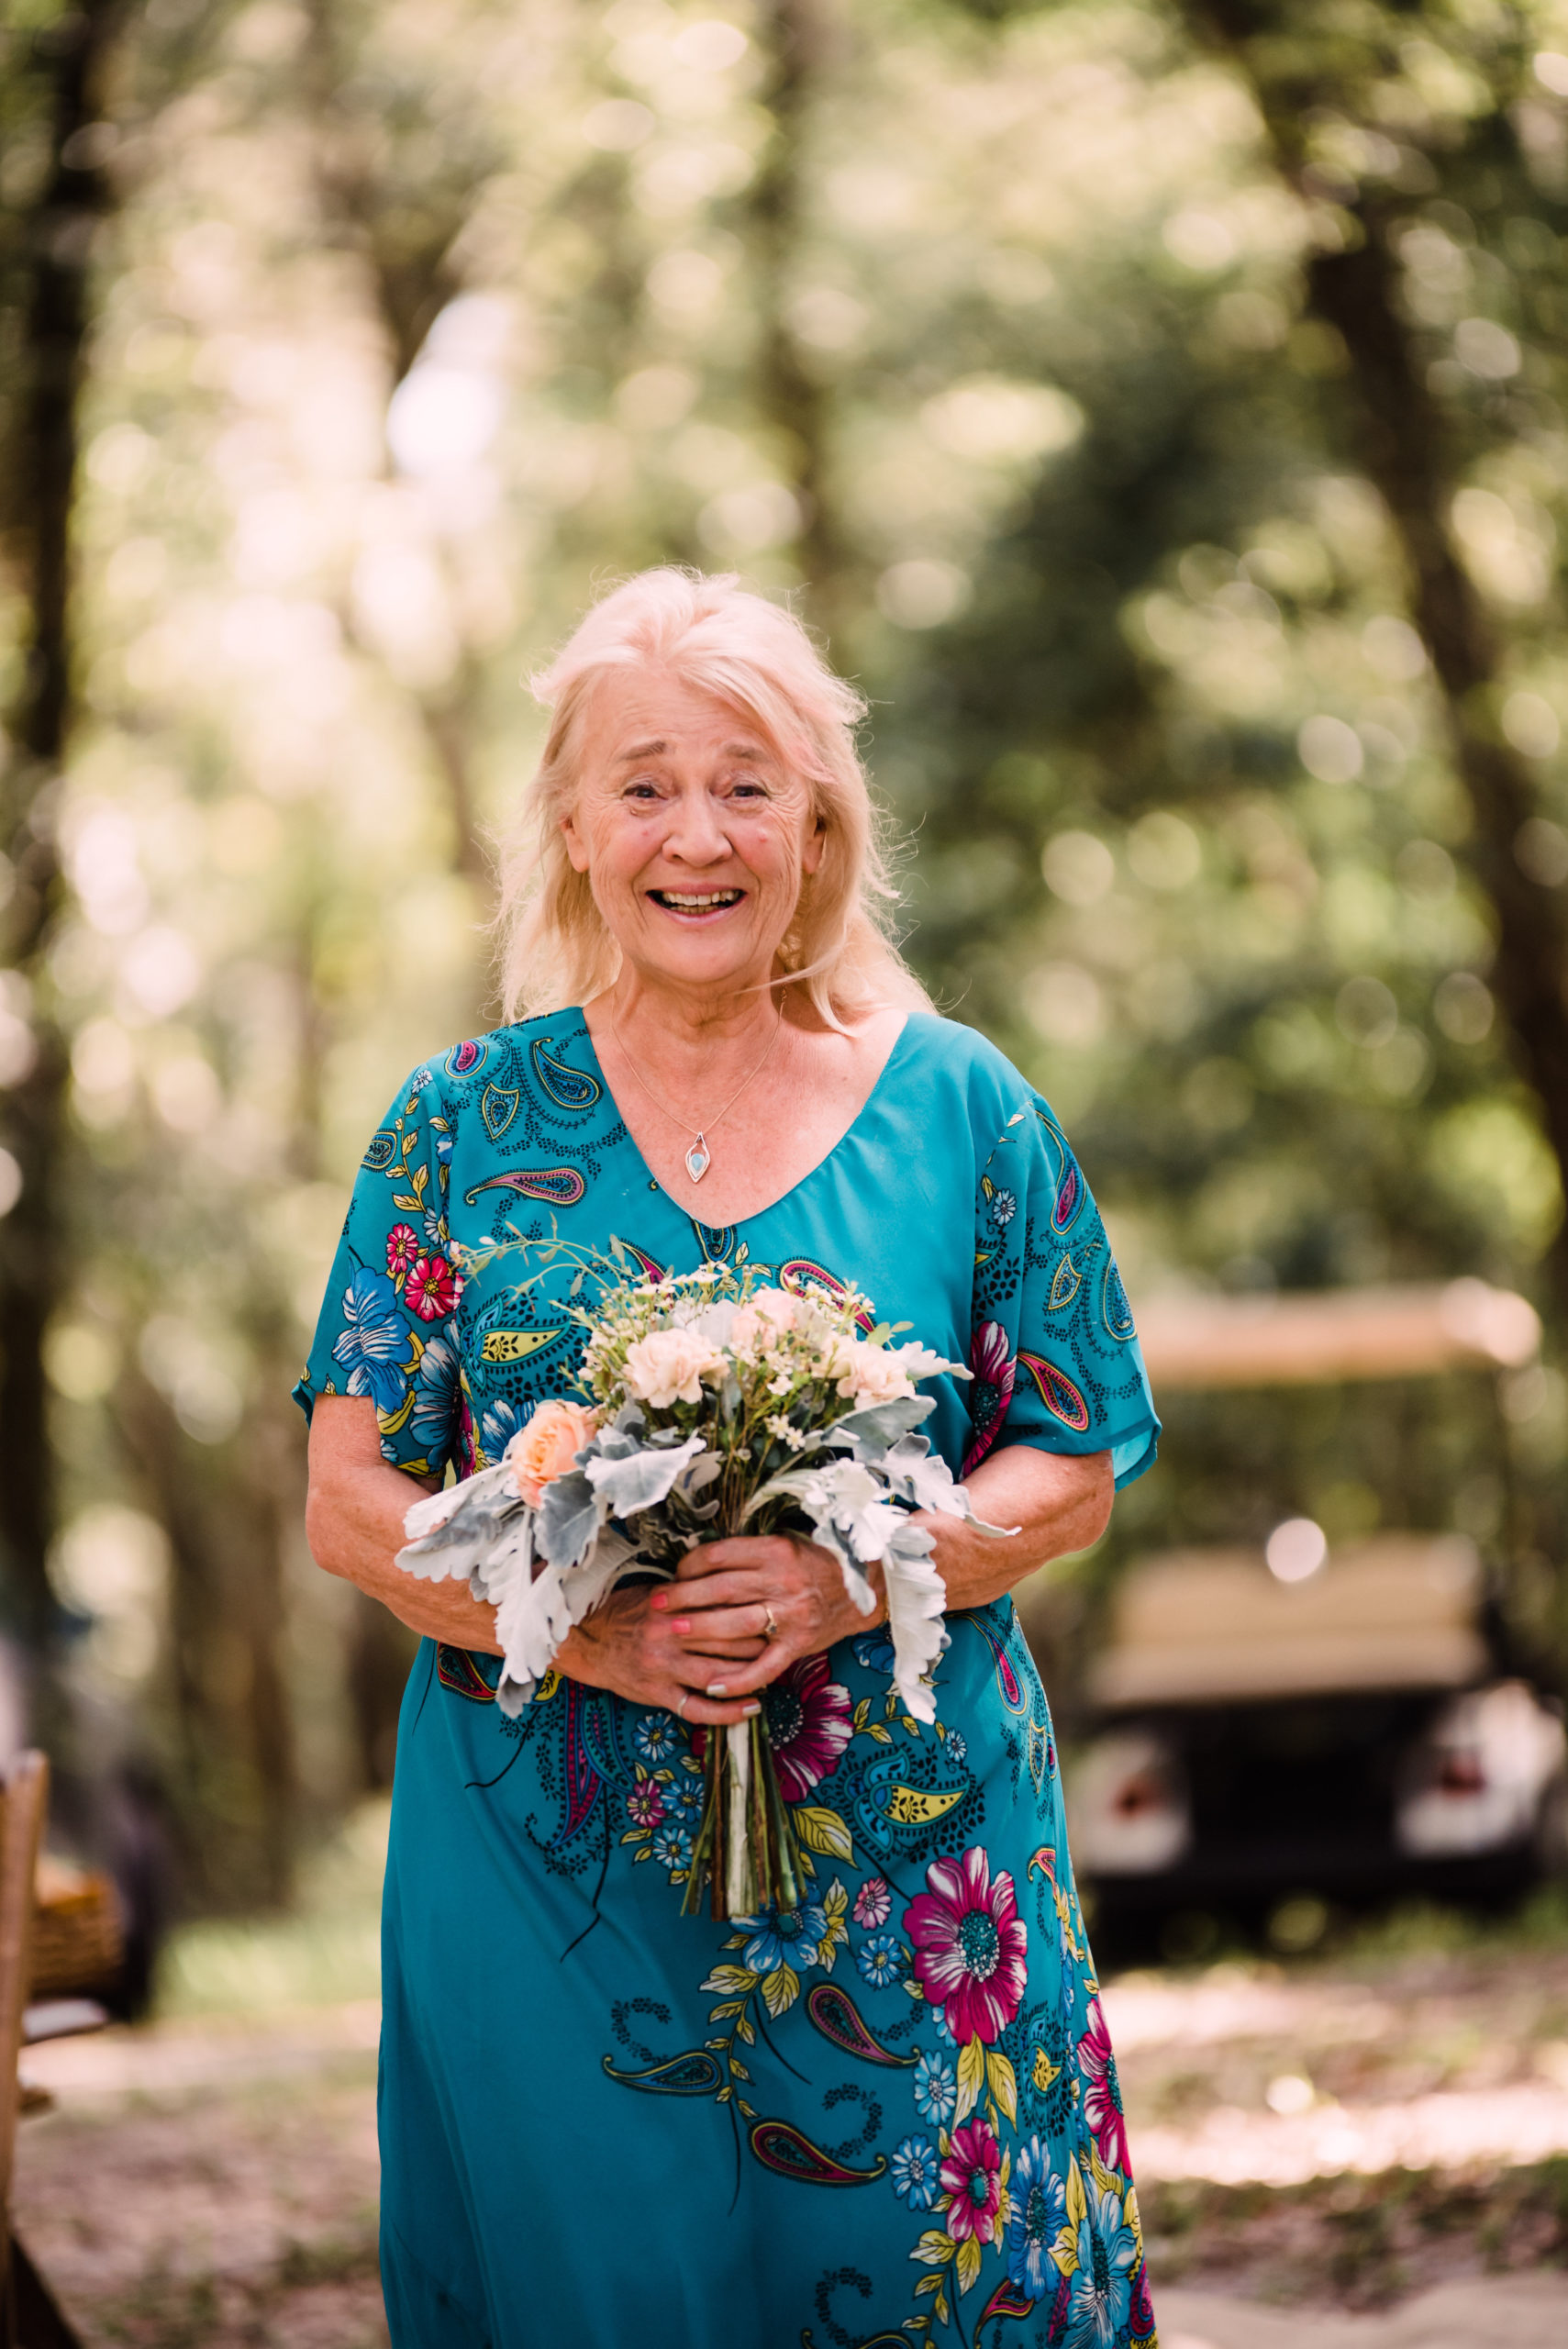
{"points": [[1055, 1355], [385, 1328]]}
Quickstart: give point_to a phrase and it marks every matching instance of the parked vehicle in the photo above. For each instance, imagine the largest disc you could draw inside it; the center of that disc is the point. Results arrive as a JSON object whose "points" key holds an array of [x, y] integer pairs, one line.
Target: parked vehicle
{"points": [[1306, 1718]]}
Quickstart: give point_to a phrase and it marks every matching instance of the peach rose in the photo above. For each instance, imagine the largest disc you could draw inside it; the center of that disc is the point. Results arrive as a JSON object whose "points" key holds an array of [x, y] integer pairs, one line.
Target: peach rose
{"points": [[769, 1311], [547, 1447]]}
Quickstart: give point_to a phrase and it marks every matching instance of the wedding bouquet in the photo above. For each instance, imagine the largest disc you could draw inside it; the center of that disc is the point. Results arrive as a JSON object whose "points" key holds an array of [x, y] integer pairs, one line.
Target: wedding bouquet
{"points": [[718, 1406]]}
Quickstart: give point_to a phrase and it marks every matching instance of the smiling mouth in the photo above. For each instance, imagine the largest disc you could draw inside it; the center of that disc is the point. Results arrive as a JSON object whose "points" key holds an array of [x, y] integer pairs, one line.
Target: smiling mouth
{"points": [[696, 901]]}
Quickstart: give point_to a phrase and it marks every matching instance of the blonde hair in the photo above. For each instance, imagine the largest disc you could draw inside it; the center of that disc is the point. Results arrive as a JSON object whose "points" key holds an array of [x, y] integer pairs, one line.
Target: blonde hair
{"points": [[716, 637]]}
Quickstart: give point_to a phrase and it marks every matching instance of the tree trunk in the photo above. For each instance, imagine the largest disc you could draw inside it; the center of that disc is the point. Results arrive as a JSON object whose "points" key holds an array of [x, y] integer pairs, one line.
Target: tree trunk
{"points": [[1402, 444], [69, 57], [227, 1522], [794, 35]]}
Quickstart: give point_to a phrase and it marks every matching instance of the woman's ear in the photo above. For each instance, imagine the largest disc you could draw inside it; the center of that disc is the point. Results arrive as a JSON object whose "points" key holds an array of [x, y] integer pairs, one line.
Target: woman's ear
{"points": [[577, 844], [813, 849]]}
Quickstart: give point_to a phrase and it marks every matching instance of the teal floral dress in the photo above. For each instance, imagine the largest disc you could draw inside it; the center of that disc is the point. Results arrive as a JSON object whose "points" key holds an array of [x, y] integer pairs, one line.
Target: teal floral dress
{"points": [[891, 2116]]}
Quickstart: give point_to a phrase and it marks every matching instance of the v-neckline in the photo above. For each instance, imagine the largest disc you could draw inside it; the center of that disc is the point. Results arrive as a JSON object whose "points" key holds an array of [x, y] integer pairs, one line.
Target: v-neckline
{"points": [[737, 1223]]}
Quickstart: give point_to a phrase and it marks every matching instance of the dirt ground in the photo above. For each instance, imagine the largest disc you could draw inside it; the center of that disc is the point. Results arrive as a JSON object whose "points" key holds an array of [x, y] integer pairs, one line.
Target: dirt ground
{"points": [[210, 2186], [1360, 2155]]}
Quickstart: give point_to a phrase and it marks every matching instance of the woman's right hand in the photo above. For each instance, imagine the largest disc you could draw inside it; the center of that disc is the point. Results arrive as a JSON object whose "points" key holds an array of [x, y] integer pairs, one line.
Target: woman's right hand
{"points": [[626, 1646]]}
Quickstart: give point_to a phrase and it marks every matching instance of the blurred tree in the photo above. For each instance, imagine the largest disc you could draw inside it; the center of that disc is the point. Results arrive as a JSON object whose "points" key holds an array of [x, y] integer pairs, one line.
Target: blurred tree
{"points": [[398, 184], [799, 39], [1324, 95], [1185, 679], [57, 193]]}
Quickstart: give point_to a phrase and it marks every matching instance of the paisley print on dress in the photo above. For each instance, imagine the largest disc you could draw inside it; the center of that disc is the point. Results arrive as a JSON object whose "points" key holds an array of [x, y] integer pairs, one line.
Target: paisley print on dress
{"points": [[1054, 1348], [563, 1187], [1057, 1392], [569, 1088]]}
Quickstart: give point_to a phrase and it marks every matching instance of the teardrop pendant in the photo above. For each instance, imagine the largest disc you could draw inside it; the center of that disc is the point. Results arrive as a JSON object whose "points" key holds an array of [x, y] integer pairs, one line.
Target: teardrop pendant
{"points": [[698, 1159]]}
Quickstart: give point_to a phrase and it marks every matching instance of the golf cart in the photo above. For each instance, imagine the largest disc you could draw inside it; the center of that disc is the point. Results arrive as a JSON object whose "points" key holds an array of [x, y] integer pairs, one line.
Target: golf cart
{"points": [[1304, 1719]]}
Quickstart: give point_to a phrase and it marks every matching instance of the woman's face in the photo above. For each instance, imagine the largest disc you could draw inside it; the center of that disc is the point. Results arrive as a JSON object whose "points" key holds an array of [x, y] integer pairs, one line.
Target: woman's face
{"points": [[694, 834]]}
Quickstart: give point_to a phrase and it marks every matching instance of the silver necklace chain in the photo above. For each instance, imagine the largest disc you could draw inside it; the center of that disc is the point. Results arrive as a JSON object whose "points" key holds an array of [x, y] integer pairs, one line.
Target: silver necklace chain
{"points": [[699, 1158]]}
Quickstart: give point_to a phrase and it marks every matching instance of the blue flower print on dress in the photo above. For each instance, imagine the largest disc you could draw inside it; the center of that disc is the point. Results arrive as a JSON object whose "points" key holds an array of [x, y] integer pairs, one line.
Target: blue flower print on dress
{"points": [[497, 1426], [1038, 2214], [784, 1937], [374, 1348], [673, 1848], [873, 1651], [1004, 1207], [655, 1736], [936, 2089], [683, 1798], [915, 2172], [436, 1389], [880, 1959], [1101, 2284]]}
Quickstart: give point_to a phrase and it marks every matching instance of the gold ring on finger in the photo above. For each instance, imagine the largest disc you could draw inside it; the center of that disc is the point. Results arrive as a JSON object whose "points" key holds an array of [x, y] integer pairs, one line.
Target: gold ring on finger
{"points": [[769, 1628]]}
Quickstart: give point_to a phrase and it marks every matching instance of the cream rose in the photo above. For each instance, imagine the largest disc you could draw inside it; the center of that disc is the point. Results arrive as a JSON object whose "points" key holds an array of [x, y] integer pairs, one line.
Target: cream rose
{"points": [[669, 1366], [873, 1375], [547, 1447]]}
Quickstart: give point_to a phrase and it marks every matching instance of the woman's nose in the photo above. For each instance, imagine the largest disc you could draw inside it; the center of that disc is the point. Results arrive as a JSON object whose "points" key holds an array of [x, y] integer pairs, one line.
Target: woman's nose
{"points": [[696, 834]]}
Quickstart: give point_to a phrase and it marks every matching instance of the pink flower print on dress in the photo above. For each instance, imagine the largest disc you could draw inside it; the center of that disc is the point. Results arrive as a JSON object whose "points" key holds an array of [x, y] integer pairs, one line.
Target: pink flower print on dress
{"points": [[971, 2178], [1142, 2311], [645, 1804], [970, 1945], [402, 1247], [873, 1902], [995, 1371], [810, 1721], [1102, 2091], [431, 1288]]}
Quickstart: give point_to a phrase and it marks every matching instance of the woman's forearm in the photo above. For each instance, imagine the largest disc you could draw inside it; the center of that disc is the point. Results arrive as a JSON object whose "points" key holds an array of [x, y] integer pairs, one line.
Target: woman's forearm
{"points": [[353, 1521], [1059, 1502]]}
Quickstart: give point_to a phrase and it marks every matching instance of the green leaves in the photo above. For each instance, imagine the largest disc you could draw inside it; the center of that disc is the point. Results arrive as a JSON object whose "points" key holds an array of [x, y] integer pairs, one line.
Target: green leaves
{"points": [[1002, 2083], [731, 1980], [822, 1830], [780, 1991], [971, 2078], [835, 1905], [934, 2249]]}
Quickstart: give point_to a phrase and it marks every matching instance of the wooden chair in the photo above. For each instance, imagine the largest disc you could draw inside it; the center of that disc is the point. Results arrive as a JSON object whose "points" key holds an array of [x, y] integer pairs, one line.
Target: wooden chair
{"points": [[30, 2317]]}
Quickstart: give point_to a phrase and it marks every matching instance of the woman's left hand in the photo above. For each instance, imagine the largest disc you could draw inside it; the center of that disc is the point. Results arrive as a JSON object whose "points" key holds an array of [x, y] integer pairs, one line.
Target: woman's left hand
{"points": [[786, 1591]]}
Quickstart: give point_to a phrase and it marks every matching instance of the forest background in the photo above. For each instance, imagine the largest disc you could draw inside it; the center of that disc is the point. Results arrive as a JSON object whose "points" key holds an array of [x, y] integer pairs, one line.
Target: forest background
{"points": [[1163, 412]]}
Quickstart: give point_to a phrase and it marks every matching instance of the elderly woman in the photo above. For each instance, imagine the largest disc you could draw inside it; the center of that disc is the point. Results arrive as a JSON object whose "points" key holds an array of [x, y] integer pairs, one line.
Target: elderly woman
{"points": [[893, 2113]]}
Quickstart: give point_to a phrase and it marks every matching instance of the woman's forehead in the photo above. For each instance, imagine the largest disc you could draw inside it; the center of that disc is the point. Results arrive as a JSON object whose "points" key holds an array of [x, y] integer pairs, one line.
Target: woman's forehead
{"points": [[648, 713]]}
